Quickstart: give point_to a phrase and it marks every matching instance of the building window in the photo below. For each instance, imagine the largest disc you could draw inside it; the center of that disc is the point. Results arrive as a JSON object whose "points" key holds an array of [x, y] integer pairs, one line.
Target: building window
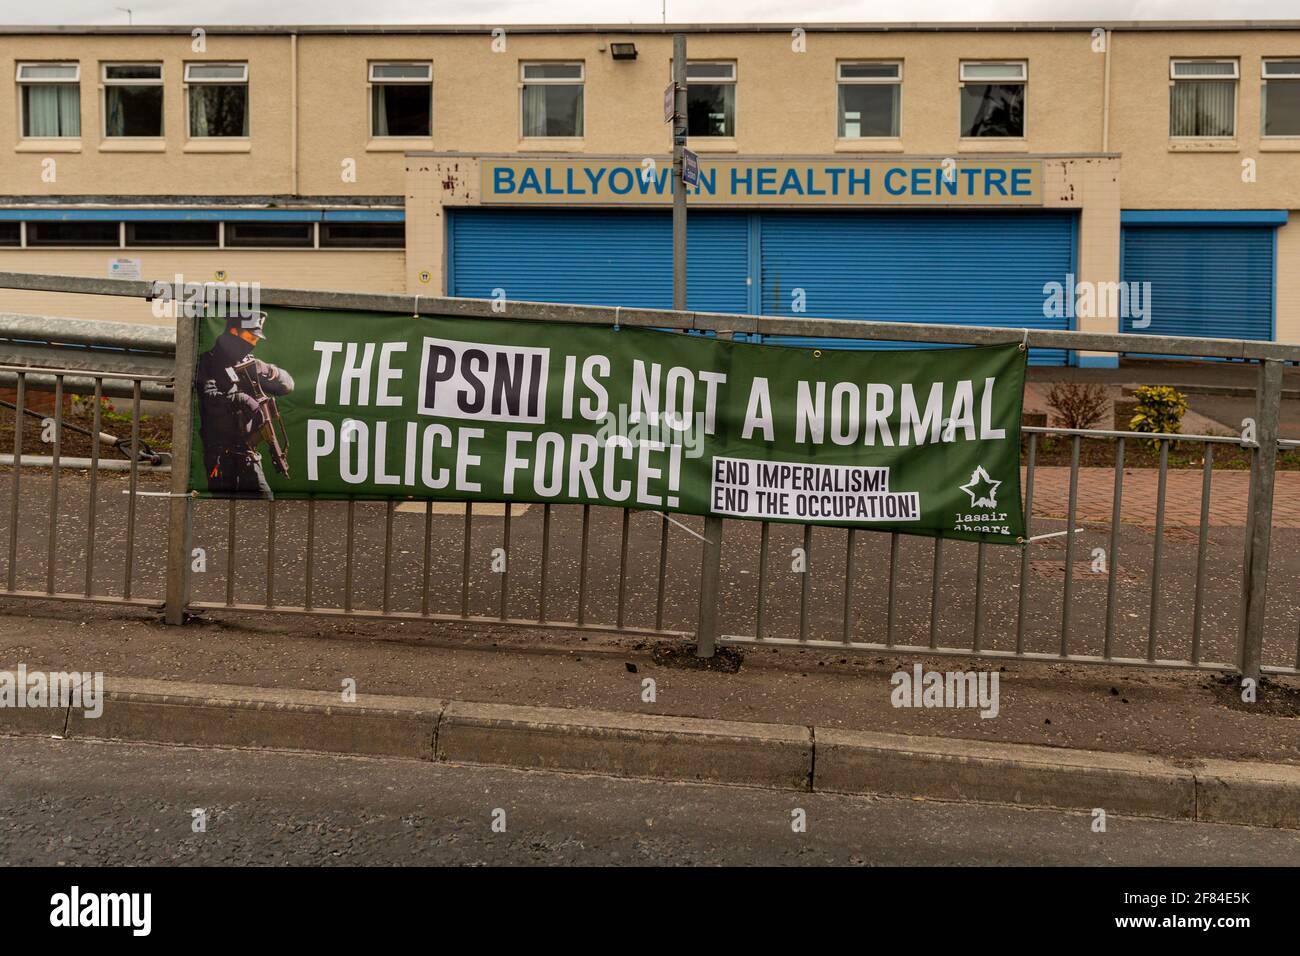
{"points": [[50, 98], [1282, 97], [362, 235], [11, 233], [177, 233], [869, 99], [299, 234], [133, 99], [993, 99], [552, 99], [218, 99], [710, 99], [401, 99], [88, 233], [1203, 98]]}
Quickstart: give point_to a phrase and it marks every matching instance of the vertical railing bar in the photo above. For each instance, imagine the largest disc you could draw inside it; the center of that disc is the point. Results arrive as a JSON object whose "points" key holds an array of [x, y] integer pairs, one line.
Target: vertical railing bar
{"points": [[389, 507], [505, 568], [51, 558], [428, 556], [1158, 556], [132, 485], [1112, 559], [20, 401], [92, 502], [661, 591], [309, 570], [1202, 546], [978, 641], [763, 545], [347, 558], [1067, 596], [849, 568], [270, 552], [231, 564], [890, 615], [622, 568], [582, 565], [936, 591], [464, 572], [546, 561], [1024, 545], [805, 583]]}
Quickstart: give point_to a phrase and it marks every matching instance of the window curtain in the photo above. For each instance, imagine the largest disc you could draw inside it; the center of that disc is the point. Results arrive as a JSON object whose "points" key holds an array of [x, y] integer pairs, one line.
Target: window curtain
{"points": [[53, 110], [218, 111], [1202, 108], [534, 110], [199, 105], [379, 110], [114, 111]]}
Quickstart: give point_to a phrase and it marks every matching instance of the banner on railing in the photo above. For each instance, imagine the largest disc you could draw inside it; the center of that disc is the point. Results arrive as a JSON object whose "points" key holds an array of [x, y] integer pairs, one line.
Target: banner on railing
{"points": [[301, 404]]}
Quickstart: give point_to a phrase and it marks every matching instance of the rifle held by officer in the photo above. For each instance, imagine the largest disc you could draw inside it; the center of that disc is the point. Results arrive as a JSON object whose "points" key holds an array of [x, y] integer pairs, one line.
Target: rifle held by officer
{"points": [[272, 430]]}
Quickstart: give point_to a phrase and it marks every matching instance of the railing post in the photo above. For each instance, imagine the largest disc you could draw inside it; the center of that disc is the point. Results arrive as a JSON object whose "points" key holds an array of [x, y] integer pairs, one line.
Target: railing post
{"points": [[706, 634], [179, 504], [1260, 524]]}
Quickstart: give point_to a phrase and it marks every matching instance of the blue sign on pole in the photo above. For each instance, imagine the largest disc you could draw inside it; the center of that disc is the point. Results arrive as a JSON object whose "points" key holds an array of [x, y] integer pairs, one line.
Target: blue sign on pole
{"points": [[690, 168]]}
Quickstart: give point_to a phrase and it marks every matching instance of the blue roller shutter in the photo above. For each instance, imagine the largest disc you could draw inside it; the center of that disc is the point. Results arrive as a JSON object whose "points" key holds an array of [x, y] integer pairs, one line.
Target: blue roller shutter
{"points": [[1206, 280], [950, 267], [598, 257]]}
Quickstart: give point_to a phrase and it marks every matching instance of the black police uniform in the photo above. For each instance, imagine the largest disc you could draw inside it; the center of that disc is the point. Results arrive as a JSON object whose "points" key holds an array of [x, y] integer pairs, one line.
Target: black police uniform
{"points": [[229, 413]]}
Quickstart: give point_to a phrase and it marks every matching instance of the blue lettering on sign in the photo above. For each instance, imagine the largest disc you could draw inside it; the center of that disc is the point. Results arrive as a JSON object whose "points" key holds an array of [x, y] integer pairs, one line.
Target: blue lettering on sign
{"points": [[996, 179], [708, 183], [835, 172], [1020, 177], [737, 178], [660, 181], [503, 180], [791, 182], [767, 181], [627, 180], [528, 181], [595, 176], [891, 177], [864, 181], [943, 184], [970, 175], [921, 181]]}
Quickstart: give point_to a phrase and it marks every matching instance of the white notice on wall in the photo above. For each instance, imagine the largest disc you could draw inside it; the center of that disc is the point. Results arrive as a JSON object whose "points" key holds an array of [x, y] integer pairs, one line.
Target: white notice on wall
{"points": [[124, 268]]}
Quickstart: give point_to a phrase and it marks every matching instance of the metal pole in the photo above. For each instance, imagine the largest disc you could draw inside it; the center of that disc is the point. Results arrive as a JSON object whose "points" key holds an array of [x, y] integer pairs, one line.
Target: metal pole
{"points": [[1262, 481], [679, 188], [179, 511]]}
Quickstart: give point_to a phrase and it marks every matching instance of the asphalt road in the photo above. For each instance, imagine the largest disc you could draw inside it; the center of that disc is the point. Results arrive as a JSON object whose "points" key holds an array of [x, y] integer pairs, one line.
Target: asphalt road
{"points": [[80, 803]]}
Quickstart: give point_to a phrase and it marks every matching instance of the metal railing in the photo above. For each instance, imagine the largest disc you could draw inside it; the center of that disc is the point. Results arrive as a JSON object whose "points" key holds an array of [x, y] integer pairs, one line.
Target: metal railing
{"points": [[1175, 594]]}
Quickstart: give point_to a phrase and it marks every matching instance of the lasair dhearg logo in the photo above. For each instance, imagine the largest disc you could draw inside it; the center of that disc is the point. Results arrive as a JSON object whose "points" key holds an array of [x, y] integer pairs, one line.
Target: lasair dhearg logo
{"points": [[982, 489]]}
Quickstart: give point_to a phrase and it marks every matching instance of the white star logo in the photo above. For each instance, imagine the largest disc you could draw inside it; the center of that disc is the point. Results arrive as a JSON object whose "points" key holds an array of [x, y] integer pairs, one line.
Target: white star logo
{"points": [[982, 489]]}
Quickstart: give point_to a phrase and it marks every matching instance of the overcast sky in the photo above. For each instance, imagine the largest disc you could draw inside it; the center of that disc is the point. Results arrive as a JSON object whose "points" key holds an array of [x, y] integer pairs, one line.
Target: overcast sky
{"points": [[200, 12]]}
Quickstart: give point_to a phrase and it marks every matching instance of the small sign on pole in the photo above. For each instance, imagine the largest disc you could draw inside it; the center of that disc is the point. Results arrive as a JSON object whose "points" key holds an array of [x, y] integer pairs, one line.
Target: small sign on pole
{"points": [[670, 102], [690, 168]]}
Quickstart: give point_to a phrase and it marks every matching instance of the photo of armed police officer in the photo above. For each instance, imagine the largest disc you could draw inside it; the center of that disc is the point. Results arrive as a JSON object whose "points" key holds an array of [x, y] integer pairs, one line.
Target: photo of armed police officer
{"points": [[238, 412]]}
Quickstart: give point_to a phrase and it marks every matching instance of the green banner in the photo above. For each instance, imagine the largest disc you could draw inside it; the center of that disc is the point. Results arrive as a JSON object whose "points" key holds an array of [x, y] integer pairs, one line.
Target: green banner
{"points": [[333, 404]]}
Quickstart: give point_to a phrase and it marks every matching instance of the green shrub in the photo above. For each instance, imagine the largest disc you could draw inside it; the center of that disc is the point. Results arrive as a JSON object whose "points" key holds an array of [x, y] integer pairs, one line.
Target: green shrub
{"points": [[1160, 409]]}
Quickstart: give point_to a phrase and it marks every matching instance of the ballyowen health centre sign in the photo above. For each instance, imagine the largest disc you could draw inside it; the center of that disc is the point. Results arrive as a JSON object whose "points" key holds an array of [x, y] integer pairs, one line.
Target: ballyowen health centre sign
{"points": [[333, 404], [782, 182]]}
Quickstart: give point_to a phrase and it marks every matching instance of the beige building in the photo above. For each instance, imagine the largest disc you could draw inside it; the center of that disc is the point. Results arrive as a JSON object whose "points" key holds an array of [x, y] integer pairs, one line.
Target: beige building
{"points": [[1119, 177]]}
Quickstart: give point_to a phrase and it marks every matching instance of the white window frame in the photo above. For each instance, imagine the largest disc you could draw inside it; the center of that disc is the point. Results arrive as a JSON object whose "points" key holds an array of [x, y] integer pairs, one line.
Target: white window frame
{"points": [[189, 81], [372, 81], [1264, 77], [718, 81], [1175, 62], [841, 79], [1017, 72], [579, 80], [20, 82], [105, 83]]}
